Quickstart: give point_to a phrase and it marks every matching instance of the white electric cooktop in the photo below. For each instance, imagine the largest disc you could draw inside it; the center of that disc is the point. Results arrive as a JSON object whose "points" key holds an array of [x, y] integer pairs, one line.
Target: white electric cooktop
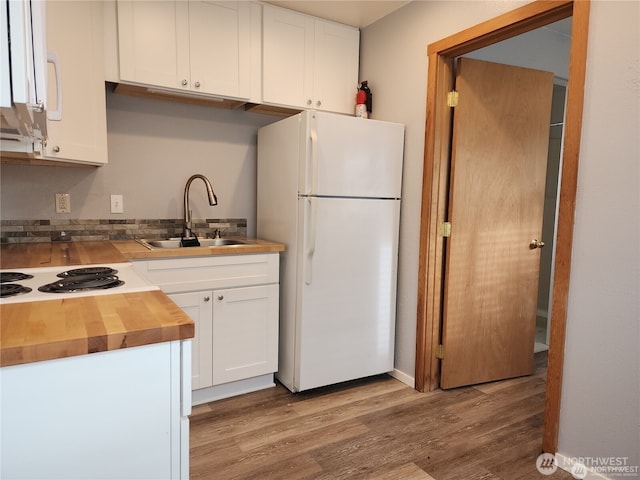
{"points": [[128, 281]]}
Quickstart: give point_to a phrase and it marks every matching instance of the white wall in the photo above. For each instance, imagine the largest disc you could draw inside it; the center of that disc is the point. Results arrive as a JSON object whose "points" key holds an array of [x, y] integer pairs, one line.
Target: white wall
{"points": [[600, 413], [154, 147]]}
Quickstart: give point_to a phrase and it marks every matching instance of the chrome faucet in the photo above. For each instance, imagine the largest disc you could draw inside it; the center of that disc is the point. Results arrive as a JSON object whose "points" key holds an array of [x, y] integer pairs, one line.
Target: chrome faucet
{"points": [[213, 200]]}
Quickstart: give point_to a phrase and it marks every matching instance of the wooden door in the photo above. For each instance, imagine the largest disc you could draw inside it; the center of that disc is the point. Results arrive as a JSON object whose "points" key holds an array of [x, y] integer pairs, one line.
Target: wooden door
{"points": [[498, 170]]}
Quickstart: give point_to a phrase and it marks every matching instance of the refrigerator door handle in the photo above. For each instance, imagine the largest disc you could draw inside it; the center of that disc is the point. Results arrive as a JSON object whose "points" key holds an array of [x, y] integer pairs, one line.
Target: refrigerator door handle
{"points": [[314, 161], [310, 238]]}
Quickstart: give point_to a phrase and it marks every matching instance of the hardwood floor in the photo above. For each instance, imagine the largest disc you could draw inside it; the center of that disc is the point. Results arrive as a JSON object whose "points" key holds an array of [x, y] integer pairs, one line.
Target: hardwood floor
{"points": [[375, 428]]}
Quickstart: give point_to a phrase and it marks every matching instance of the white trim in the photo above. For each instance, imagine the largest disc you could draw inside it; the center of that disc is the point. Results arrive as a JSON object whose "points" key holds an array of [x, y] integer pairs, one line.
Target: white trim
{"points": [[232, 389], [403, 377]]}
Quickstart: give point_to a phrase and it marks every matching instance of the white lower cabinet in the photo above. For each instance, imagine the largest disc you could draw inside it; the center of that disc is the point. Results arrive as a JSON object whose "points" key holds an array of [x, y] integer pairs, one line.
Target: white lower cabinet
{"points": [[116, 414], [234, 303], [198, 306], [245, 333]]}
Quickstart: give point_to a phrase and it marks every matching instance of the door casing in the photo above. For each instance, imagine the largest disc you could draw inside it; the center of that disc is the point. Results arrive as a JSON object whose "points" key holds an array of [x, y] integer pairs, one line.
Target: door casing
{"points": [[441, 56]]}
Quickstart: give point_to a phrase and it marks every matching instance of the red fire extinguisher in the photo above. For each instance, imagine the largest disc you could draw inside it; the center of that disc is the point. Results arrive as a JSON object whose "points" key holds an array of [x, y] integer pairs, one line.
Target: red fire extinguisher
{"points": [[363, 100]]}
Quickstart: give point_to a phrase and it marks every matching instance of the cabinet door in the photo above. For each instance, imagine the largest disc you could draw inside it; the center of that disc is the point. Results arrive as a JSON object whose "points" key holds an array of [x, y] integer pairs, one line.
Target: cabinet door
{"points": [[106, 415], [153, 43], [245, 332], [287, 64], [220, 47], [335, 67], [81, 135], [198, 306]]}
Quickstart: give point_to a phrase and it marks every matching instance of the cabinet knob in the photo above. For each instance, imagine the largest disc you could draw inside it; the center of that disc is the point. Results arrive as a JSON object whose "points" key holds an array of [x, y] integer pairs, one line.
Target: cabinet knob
{"points": [[184, 83], [56, 148], [309, 102], [207, 298], [197, 84], [220, 297], [318, 103]]}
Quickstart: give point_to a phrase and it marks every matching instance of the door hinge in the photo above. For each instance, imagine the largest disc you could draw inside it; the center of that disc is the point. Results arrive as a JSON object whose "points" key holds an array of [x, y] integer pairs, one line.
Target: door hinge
{"points": [[452, 98], [440, 351], [446, 229]]}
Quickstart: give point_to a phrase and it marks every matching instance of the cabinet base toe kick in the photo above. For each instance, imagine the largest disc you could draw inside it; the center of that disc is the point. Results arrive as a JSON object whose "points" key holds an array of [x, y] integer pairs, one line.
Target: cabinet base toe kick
{"points": [[231, 389]]}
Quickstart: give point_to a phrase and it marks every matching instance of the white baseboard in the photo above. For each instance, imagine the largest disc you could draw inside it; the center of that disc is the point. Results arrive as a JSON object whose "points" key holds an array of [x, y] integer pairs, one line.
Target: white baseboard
{"points": [[567, 463], [232, 389], [403, 377]]}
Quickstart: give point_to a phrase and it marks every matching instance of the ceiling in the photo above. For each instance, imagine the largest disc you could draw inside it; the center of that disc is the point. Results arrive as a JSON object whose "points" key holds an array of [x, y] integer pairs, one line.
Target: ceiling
{"points": [[362, 13], [357, 13]]}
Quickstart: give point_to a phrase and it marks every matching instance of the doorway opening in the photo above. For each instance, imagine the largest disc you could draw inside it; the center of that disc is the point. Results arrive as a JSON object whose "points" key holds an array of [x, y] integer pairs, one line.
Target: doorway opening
{"points": [[435, 186], [545, 49]]}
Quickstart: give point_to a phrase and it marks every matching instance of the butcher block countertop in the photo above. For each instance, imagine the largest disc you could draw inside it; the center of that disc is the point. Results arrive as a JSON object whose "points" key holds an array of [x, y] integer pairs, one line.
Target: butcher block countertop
{"points": [[51, 329], [45, 330]]}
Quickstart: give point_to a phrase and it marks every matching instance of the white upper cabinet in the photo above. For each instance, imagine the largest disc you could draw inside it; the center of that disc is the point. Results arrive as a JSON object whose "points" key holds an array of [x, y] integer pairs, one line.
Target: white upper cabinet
{"points": [[74, 34], [220, 49], [193, 46], [308, 62]]}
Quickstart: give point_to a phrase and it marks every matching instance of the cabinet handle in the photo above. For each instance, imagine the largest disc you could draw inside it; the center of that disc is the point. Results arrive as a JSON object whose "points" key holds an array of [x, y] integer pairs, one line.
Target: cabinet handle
{"points": [[220, 297], [184, 83], [197, 84], [207, 298]]}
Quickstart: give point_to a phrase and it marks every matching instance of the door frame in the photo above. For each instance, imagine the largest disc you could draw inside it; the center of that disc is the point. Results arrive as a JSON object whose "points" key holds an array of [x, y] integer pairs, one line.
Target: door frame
{"points": [[435, 187]]}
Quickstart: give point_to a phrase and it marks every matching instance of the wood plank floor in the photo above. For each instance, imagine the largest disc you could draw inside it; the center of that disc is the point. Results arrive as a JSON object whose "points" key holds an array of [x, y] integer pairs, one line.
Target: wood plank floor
{"points": [[376, 428]]}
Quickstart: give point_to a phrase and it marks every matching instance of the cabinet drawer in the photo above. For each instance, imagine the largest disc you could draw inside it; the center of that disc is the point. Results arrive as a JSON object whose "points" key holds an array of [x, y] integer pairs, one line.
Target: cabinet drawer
{"points": [[175, 275]]}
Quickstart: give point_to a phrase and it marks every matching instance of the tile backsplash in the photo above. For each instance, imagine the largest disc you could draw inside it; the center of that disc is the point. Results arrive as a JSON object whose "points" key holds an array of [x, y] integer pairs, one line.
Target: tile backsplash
{"points": [[23, 231]]}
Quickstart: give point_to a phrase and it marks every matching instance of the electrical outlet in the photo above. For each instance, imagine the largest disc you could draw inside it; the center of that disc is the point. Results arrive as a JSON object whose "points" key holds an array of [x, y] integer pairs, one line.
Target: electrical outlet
{"points": [[63, 203], [116, 204]]}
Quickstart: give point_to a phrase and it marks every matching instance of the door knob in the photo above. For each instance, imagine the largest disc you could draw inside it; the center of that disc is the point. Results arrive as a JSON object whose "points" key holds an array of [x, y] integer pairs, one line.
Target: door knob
{"points": [[535, 243]]}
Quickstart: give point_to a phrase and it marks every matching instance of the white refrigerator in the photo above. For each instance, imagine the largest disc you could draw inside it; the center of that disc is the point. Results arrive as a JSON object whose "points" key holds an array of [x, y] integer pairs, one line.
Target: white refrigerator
{"points": [[329, 189]]}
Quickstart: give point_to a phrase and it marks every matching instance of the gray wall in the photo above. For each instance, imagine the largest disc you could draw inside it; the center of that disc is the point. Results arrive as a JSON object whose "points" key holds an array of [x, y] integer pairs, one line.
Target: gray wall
{"points": [[154, 147], [600, 414]]}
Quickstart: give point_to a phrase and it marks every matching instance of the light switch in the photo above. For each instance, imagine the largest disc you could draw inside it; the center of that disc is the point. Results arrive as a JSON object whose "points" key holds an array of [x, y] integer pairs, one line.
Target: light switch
{"points": [[116, 204]]}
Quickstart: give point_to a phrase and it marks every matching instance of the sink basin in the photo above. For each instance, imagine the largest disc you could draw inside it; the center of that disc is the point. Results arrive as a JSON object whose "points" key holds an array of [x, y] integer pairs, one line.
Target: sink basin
{"points": [[204, 242], [217, 242]]}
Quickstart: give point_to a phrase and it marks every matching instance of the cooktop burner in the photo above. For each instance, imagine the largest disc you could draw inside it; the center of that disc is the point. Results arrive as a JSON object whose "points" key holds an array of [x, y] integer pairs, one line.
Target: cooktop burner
{"points": [[81, 283], [13, 276], [12, 289], [88, 272], [54, 283]]}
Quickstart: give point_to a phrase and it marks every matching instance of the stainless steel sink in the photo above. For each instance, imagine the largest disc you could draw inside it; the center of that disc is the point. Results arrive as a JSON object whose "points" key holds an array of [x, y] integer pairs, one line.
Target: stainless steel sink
{"points": [[204, 242]]}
